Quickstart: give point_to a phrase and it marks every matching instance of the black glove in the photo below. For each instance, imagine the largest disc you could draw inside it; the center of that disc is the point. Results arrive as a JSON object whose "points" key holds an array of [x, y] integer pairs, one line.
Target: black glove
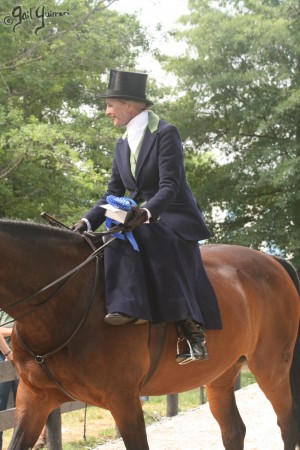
{"points": [[137, 217], [80, 227]]}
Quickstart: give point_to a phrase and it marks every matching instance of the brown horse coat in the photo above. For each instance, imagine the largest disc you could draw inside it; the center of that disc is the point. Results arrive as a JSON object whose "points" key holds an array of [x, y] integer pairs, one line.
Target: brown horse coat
{"points": [[109, 366]]}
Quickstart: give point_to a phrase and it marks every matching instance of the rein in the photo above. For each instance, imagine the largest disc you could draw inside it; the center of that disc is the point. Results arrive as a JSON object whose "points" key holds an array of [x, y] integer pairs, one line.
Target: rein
{"points": [[40, 359], [68, 274]]}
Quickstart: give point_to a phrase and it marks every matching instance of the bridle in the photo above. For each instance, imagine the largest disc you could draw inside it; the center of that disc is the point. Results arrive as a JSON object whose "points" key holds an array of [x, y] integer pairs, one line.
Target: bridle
{"points": [[66, 278]]}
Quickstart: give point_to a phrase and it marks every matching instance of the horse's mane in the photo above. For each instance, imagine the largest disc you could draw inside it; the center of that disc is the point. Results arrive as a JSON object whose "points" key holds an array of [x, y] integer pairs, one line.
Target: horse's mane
{"points": [[34, 227]]}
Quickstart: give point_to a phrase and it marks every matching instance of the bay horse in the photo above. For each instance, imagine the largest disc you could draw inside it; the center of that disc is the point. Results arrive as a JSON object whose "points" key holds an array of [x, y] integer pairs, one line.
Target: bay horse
{"points": [[63, 350]]}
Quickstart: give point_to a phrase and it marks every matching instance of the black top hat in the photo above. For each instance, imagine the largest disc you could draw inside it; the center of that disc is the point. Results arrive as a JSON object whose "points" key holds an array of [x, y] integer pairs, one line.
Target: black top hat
{"points": [[127, 85]]}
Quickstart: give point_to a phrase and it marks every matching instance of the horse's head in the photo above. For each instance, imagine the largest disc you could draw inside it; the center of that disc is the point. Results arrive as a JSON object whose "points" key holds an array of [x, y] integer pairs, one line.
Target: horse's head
{"points": [[33, 255]]}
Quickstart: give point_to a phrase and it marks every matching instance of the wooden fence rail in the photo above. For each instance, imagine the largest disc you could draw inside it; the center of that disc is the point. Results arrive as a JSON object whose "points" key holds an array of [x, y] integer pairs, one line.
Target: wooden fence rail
{"points": [[54, 437]]}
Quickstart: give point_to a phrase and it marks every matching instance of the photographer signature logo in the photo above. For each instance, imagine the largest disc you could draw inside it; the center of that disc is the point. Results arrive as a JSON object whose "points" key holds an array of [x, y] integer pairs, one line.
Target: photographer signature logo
{"points": [[19, 15]]}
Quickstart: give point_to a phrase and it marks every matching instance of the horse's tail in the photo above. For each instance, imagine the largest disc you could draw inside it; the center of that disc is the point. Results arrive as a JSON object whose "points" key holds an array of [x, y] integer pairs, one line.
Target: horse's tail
{"points": [[295, 384], [291, 270], [295, 367]]}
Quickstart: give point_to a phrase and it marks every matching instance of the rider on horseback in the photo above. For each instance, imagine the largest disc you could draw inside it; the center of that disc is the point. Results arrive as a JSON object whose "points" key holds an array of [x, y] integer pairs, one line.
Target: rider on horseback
{"points": [[160, 277]]}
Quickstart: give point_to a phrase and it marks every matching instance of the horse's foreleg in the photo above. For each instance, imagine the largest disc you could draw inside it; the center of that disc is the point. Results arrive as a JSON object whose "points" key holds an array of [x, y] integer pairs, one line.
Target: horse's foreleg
{"points": [[129, 419], [221, 398], [31, 416], [27, 429]]}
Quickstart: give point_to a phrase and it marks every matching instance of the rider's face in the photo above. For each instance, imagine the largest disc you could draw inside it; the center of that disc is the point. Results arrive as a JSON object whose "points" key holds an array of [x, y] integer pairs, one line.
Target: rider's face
{"points": [[120, 112]]}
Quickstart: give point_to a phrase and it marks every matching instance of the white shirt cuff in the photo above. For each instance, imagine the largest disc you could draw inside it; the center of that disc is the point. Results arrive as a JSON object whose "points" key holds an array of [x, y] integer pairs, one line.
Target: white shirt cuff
{"points": [[89, 228], [148, 214]]}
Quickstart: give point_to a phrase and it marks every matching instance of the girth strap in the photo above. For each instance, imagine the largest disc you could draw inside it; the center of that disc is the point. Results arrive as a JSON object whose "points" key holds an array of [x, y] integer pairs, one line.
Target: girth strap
{"points": [[157, 342]]}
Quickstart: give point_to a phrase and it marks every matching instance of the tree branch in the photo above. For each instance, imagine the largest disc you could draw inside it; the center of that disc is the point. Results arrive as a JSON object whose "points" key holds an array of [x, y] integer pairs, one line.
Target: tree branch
{"points": [[10, 169], [263, 136], [13, 63]]}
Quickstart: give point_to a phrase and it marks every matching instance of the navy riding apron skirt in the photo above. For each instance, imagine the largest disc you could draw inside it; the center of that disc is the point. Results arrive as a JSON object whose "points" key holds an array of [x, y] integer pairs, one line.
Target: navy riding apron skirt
{"points": [[164, 282]]}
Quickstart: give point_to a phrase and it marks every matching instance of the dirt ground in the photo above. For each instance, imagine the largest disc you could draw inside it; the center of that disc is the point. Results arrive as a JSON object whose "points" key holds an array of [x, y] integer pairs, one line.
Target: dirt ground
{"points": [[198, 430]]}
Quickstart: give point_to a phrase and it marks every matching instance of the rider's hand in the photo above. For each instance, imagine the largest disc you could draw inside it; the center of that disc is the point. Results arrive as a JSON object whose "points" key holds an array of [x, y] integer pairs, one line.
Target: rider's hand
{"points": [[136, 218], [80, 227]]}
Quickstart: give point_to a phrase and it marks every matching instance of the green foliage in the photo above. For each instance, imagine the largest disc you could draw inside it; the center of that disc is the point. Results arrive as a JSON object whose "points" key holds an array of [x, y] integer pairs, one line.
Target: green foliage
{"points": [[89, 443], [237, 106], [240, 77], [55, 143]]}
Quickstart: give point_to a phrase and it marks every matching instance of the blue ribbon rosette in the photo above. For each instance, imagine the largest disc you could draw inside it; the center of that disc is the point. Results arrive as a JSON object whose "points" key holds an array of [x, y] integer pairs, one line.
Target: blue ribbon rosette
{"points": [[124, 203]]}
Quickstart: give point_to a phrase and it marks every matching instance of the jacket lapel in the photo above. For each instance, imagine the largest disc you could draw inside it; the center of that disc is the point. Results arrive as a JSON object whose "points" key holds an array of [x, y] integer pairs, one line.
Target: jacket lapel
{"points": [[124, 152], [148, 141]]}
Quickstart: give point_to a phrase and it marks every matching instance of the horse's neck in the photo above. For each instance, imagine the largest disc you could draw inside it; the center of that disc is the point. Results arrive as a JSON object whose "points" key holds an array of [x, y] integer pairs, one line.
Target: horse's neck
{"points": [[59, 314], [31, 260]]}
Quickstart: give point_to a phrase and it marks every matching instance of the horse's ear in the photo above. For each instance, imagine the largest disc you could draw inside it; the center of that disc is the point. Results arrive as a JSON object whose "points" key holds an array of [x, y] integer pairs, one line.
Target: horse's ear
{"points": [[53, 221]]}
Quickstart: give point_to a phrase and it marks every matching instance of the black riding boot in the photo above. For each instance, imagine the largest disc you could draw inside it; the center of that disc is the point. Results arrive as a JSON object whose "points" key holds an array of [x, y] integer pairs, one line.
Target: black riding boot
{"points": [[194, 335]]}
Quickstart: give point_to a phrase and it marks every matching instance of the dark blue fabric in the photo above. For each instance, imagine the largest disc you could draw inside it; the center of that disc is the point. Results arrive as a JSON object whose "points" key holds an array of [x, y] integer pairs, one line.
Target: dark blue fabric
{"points": [[165, 281], [159, 180]]}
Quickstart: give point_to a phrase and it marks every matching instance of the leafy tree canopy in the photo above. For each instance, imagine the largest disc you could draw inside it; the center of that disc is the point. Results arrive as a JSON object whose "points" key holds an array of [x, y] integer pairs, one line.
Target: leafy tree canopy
{"points": [[241, 78], [55, 142]]}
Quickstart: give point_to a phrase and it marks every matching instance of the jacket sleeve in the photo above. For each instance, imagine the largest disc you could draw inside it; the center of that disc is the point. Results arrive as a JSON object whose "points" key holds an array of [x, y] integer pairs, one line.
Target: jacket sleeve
{"points": [[171, 170]]}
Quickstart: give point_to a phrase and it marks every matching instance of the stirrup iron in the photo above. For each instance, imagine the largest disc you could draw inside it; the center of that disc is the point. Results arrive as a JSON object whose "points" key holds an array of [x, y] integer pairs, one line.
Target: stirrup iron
{"points": [[191, 358]]}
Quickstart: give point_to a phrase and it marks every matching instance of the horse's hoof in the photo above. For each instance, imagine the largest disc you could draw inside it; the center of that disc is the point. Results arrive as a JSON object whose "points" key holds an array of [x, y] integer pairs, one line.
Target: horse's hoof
{"points": [[118, 319]]}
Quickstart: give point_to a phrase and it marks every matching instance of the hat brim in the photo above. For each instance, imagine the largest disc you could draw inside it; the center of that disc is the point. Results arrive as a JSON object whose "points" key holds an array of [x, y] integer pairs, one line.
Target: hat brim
{"points": [[126, 97]]}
